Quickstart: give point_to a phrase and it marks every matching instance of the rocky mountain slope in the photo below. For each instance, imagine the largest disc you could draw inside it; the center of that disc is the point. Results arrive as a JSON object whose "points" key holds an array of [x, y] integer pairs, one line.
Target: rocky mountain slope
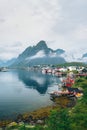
{"points": [[38, 55]]}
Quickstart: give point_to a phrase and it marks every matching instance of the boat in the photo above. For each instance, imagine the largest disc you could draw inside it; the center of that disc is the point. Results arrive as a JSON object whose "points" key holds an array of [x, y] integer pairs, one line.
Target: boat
{"points": [[69, 92], [3, 69], [61, 93]]}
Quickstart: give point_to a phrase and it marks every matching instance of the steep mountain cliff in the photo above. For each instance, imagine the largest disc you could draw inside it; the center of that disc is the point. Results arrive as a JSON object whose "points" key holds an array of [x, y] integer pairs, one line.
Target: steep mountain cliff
{"points": [[39, 54]]}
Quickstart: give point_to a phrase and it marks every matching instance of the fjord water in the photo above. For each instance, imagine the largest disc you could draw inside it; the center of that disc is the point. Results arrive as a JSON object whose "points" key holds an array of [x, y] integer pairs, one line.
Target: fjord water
{"points": [[24, 91]]}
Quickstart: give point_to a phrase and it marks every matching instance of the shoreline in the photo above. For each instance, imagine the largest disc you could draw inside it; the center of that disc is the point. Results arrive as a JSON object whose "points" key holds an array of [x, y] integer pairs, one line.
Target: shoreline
{"points": [[40, 114]]}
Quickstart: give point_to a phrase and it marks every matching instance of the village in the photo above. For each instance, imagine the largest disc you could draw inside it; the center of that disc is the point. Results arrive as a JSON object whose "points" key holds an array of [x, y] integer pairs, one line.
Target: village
{"points": [[69, 75]]}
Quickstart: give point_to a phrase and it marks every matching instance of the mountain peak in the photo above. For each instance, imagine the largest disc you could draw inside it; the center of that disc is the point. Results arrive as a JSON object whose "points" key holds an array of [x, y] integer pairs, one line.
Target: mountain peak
{"points": [[39, 54], [42, 44], [84, 55]]}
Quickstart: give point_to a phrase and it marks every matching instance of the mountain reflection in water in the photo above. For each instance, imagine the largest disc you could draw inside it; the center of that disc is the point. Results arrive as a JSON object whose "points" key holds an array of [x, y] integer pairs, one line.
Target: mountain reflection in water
{"points": [[24, 91], [37, 80]]}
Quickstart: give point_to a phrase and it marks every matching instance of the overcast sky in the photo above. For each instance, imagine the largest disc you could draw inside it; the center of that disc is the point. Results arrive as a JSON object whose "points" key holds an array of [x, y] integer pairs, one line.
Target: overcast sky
{"points": [[23, 23]]}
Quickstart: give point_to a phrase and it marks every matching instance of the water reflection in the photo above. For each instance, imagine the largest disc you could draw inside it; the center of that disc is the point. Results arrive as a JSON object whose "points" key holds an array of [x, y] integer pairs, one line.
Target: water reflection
{"points": [[37, 80], [17, 87]]}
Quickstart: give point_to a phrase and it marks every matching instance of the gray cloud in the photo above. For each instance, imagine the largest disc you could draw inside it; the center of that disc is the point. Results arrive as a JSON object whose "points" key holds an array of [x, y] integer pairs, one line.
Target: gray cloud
{"points": [[62, 23]]}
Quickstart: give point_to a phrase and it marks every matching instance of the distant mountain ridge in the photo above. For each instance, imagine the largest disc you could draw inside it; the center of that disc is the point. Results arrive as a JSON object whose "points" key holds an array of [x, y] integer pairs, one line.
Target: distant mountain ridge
{"points": [[7, 63], [42, 54], [38, 55], [1, 63], [76, 55]]}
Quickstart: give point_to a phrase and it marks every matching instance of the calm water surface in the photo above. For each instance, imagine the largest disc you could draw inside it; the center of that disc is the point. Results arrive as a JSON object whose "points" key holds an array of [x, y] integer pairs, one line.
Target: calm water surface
{"points": [[24, 91]]}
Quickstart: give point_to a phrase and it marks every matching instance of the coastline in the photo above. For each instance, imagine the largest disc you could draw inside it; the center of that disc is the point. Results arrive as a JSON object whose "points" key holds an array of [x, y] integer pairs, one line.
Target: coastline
{"points": [[40, 114]]}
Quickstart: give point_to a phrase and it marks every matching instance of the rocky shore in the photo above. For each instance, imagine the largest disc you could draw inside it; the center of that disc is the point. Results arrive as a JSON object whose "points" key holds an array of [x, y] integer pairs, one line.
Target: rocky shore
{"points": [[37, 117]]}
